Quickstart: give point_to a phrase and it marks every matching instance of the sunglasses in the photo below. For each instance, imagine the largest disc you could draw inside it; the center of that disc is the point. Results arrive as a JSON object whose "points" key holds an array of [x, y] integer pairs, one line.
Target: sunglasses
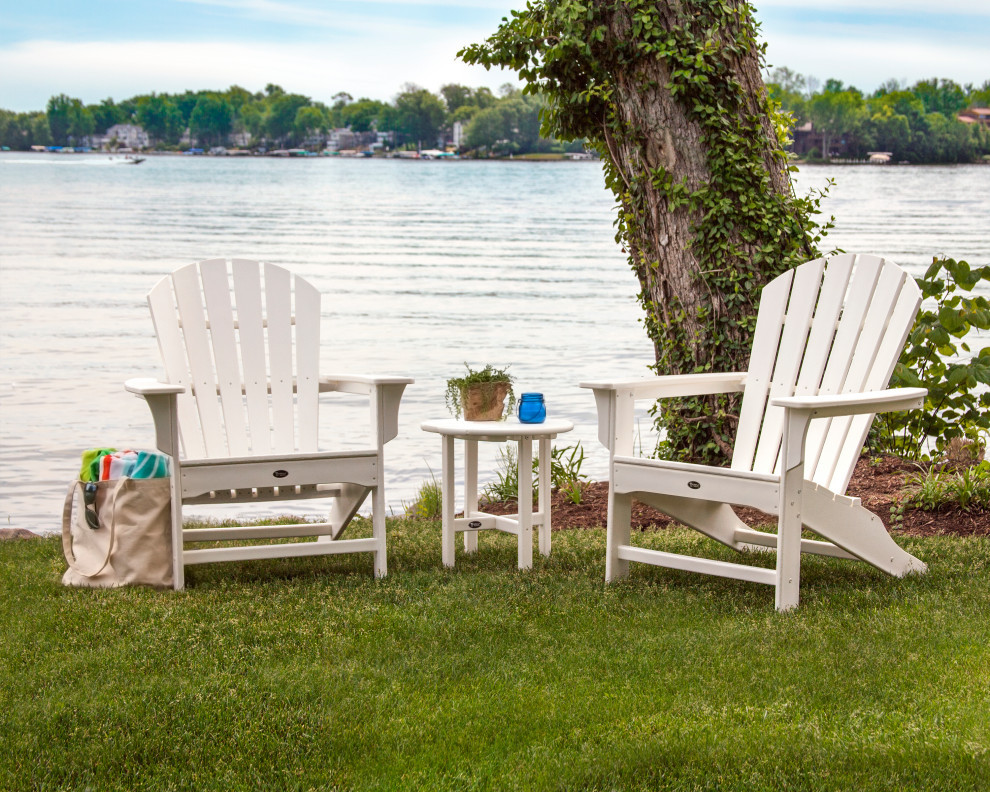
{"points": [[89, 498]]}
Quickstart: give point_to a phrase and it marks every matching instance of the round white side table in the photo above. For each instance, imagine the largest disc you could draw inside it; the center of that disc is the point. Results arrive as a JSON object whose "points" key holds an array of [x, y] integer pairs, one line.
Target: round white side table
{"points": [[473, 432]]}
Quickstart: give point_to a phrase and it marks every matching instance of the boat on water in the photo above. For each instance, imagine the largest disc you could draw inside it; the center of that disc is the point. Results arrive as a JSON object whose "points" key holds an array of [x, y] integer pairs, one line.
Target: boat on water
{"points": [[128, 159], [296, 152], [436, 154]]}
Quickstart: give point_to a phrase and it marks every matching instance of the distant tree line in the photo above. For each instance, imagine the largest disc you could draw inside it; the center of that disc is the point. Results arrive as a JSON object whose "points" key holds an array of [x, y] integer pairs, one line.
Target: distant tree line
{"points": [[917, 124], [505, 124]]}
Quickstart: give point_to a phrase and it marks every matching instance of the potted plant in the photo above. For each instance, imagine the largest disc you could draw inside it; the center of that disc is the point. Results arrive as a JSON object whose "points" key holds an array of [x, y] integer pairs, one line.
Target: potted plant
{"points": [[481, 395]]}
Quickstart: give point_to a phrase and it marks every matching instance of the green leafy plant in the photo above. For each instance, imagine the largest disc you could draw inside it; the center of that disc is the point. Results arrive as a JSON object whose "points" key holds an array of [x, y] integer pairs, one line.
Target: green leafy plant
{"points": [[429, 501], [505, 487], [938, 357], [928, 490], [565, 471], [565, 474], [971, 488], [487, 381], [935, 488]]}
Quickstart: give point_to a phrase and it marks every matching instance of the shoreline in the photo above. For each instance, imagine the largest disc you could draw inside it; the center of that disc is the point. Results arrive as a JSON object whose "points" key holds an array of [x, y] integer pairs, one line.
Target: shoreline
{"points": [[281, 155]]}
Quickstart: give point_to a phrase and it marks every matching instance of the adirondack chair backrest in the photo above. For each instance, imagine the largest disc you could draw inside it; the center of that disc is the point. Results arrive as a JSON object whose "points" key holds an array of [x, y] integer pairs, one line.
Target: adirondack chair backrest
{"points": [[830, 326], [244, 338]]}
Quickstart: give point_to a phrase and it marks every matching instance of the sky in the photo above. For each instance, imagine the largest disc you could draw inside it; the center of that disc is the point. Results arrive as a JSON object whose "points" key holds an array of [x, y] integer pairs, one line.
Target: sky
{"points": [[372, 48]]}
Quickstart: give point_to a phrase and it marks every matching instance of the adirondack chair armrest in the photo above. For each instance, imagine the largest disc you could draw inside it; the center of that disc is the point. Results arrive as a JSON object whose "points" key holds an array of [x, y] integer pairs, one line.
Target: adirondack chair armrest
{"points": [[143, 386], [800, 410], [385, 394], [889, 400], [615, 400], [358, 383], [673, 385], [161, 399]]}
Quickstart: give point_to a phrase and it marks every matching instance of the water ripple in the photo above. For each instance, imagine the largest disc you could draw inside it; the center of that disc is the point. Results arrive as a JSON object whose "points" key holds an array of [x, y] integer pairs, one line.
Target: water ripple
{"points": [[422, 266]]}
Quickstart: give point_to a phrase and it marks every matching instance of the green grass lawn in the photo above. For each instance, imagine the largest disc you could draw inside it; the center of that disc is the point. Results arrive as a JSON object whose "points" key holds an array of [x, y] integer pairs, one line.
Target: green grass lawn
{"points": [[309, 674]]}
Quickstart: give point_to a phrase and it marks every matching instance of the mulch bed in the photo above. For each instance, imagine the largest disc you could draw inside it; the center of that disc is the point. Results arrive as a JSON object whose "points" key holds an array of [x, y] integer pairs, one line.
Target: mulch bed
{"points": [[877, 485]]}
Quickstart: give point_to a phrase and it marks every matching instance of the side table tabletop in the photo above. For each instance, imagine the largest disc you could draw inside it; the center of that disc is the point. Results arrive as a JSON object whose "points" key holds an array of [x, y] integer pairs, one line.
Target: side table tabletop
{"points": [[473, 432]]}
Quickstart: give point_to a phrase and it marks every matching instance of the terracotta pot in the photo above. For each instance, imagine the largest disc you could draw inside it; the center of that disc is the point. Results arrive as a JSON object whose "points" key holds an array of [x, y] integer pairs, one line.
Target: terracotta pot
{"points": [[484, 401]]}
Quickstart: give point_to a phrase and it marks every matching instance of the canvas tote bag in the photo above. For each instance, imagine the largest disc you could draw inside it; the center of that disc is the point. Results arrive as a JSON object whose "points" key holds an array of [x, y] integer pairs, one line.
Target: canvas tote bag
{"points": [[132, 543]]}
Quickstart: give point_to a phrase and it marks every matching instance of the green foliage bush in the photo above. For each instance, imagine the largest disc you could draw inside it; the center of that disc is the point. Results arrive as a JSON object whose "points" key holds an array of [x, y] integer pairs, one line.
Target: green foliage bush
{"points": [[916, 124], [936, 489], [937, 357], [429, 501], [565, 471], [505, 487], [565, 474]]}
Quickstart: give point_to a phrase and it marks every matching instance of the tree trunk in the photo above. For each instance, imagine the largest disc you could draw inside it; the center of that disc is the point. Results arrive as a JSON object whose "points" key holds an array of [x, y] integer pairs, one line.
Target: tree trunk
{"points": [[670, 94], [664, 250]]}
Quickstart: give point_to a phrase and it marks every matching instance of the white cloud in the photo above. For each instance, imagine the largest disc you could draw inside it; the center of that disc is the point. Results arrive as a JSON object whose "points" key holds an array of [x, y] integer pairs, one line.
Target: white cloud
{"points": [[900, 7], [368, 52], [865, 61], [301, 13]]}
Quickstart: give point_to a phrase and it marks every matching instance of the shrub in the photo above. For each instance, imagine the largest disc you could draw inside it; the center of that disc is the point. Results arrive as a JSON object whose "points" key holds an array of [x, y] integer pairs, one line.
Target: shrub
{"points": [[506, 484], [565, 471], [970, 488], [429, 501], [565, 474], [938, 357]]}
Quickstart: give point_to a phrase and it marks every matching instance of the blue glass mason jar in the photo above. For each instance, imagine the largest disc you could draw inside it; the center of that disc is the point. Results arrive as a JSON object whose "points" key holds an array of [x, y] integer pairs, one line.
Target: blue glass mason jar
{"points": [[532, 409]]}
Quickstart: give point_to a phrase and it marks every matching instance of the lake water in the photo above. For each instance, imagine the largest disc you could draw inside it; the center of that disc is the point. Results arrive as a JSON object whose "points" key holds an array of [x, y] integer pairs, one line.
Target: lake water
{"points": [[423, 266]]}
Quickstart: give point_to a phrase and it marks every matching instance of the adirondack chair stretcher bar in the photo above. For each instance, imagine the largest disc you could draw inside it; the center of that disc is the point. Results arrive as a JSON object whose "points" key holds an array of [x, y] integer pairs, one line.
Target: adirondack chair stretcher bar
{"points": [[827, 338], [238, 412]]}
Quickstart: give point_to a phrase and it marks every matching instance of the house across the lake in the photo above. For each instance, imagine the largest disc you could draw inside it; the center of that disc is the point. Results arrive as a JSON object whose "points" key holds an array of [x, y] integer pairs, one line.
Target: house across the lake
{"points": [[975, 115], [127, 136]]}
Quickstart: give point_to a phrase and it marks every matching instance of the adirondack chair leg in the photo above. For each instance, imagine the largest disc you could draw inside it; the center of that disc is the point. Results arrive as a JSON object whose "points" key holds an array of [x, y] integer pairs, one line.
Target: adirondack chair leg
{"points": [[790, 515], [378, 530], [178, 570], [855, 529], [617, 533], [789, 542], [165, 416]]}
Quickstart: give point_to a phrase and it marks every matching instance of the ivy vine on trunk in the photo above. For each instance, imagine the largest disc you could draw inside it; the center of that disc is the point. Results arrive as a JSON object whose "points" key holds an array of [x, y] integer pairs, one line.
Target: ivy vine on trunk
{"points": [[671, 97]]}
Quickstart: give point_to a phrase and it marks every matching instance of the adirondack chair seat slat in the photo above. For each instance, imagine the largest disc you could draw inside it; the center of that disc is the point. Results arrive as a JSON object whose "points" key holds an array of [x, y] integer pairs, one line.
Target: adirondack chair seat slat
{"points": [[827, 337], [238, 410], [264, 494]]}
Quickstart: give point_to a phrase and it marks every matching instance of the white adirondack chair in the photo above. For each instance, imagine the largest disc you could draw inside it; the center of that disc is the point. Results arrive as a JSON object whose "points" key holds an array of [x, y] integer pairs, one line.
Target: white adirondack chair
{"points": [[241, 345], [827, 338]]}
